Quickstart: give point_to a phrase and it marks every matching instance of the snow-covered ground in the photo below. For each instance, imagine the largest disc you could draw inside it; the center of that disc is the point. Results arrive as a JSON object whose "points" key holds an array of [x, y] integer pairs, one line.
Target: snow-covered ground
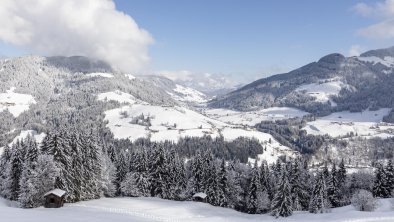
{"points": [[367, 123], [254, 117], [153, 209], [187, 94], [129, 76], [173, 123], [16, 103], [24, 134], [118, 96], [101, 74], [386, 61], [322, 92]]}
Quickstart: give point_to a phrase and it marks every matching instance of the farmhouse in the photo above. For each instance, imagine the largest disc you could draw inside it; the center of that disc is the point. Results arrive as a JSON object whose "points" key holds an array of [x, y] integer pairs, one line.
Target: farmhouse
{"points": [[54, 198], [200, 197]]}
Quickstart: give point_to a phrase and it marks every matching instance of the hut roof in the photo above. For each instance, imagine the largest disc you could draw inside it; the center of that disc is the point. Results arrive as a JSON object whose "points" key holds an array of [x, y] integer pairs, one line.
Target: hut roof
{"points": [[57, 192], [201, 195]]}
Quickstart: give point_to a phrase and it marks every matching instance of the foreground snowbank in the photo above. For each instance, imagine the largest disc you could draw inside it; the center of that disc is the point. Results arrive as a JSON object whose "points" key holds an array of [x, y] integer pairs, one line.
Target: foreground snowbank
{"points": [[153, 209]]}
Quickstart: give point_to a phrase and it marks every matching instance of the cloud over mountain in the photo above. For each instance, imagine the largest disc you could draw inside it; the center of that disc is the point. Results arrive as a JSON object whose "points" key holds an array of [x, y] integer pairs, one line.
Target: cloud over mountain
{"points": [[384, 12], [93, 28]]}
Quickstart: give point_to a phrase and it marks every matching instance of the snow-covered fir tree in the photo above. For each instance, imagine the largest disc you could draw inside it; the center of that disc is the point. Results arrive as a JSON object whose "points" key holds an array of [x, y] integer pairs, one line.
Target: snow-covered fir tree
{"points": [[333, 191], [381, 188], [282, 204], [319, 202]]}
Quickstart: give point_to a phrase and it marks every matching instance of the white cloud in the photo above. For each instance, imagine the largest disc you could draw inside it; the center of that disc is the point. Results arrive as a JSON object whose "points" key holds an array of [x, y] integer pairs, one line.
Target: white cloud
{"points": [[363, 9], [379, 9], [355, 50], [381, 30], [91, 28], [384, 29]]}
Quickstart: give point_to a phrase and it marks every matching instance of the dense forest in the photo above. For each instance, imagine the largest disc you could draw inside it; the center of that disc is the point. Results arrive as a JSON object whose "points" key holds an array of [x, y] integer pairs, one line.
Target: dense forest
{"points": [[87, 166]]}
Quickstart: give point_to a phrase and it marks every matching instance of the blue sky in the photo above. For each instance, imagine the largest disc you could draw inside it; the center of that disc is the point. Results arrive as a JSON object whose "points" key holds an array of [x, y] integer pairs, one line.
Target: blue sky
{"points": [[247, 38], [252, 37]]}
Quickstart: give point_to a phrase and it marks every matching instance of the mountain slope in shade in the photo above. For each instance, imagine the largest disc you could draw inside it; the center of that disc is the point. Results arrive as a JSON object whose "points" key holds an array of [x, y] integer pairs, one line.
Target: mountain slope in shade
{"points": [[334, 83], [178, 92]]}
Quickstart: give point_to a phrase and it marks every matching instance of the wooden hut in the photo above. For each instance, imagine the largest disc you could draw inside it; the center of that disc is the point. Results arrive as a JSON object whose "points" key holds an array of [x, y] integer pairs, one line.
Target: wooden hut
{"points": [[54, 198], [200, 197]]}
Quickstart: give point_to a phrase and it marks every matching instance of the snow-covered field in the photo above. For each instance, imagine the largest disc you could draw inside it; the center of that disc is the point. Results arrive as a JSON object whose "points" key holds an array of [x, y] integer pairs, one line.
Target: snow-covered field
{"points": [[118, 96], [101, 74], [322, 92], [386, 61], [25, 133], [187, 94], [16, 103], [173, 123], [153, 209], [254, 117], [367, 123]]}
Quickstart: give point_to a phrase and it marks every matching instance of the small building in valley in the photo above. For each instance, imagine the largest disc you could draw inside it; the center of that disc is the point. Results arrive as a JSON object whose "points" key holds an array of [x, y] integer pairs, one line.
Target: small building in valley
{"points": [[54, 198], [200, 197]]}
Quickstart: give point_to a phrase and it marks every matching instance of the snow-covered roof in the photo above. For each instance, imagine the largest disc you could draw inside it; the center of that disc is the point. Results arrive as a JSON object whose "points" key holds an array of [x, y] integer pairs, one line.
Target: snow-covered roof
{"points": [[201, 195], [57, 192]]}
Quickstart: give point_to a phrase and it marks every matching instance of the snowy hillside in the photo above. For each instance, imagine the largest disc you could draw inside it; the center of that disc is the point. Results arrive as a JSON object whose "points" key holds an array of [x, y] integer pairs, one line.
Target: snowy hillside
{"points": [[159, 123], [324, 90], [101, 74], [188, 94], [153, 209], [180, 93], [16, 103], [252, 118], [366, 123]]}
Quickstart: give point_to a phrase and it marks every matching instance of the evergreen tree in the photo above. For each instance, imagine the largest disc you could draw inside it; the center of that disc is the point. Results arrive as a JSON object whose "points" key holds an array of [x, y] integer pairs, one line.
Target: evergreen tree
{"points": [[28, 193], [381, 187], [236, 192], [389, 170], [56, 144], [223, 185], [14, 172], [108, 176], [299, 189], [197, 184], [5, 160], [333, 191], [341, 179], [159, 174], [254, 199], [319, 202], [282, 202], [341, 174]]}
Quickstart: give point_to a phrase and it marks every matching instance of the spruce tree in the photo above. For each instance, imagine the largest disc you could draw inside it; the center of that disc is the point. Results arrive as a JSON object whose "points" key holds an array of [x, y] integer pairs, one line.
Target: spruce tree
{"points": [[28, 193], [319, 201], [14, 172], [5, 160], [282, 203], [223, 185], [381, 187], [389, 170], [159, 174], [235, 193], [253, 201], [299, 189], [333, 191]]}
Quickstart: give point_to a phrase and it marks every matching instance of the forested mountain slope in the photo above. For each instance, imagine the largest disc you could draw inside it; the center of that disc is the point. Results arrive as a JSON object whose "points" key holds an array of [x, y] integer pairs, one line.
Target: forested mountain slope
{"points": [[334, 83]]}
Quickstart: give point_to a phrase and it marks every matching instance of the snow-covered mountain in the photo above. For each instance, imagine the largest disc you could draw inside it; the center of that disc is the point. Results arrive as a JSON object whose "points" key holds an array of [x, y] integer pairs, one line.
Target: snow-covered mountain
{"points": [[334, 83], [38, 94], [180, 93], [210, 84]]}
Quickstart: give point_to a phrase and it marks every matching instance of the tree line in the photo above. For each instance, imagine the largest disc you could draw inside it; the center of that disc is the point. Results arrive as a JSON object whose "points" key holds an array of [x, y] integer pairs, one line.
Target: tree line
{"points": [[89, 168]]}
